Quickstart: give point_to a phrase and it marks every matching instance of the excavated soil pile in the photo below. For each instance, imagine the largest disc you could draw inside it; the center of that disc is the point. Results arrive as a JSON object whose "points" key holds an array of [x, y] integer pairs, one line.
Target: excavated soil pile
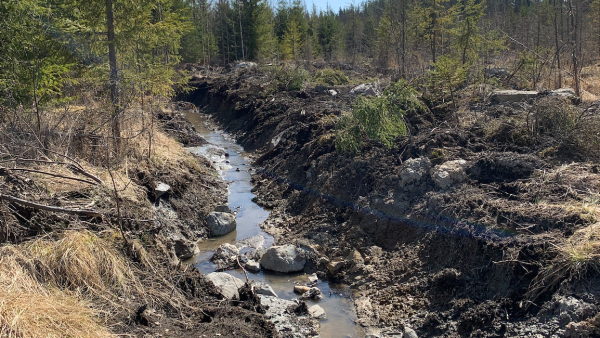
{"points": [[454, 231]]}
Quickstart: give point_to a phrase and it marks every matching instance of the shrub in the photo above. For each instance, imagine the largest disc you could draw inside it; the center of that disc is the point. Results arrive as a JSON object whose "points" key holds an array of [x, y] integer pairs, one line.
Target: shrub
{"points": [[332, 77], [286, 77], [377, 118]]}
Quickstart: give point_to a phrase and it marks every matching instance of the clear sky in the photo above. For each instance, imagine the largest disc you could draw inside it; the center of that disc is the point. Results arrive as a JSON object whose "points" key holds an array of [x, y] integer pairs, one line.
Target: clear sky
{"points": [[334, 4]]}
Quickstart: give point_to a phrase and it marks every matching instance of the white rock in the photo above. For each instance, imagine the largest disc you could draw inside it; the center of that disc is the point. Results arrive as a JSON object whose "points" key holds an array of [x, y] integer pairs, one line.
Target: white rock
{"points": [[316, 312], [245, 65], [501, 96], [366, 89], [414, 169], [409, 333], [227, 284], [449, 173], [220, 223], [286, 258], [332, 92], [564, 92], [313, 278], [161, 189]]}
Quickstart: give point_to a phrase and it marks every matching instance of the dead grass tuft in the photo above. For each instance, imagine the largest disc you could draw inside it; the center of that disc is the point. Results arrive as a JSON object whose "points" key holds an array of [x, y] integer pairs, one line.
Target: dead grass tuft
{"points": [[29, 309], [80, 262]]}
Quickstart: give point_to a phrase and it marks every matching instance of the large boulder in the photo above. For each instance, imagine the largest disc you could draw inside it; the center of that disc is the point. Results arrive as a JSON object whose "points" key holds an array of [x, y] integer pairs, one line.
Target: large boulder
{"points": [[227, 284], [286, 258], [220, 223], [502, 96], [449, 173]]}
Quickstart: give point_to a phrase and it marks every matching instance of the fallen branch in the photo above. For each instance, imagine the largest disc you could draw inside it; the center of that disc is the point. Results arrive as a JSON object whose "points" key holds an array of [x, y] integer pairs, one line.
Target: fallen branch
{"points": [[75, 167], [49, 208], [51, 174]]}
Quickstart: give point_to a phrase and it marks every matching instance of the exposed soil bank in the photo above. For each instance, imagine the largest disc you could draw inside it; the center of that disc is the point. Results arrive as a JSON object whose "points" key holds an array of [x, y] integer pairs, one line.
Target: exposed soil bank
{"points": [[444, 257]]}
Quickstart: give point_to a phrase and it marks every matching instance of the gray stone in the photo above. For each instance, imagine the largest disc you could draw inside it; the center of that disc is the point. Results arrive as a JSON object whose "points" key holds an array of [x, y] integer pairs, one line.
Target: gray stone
{"points": [[254, 242], [409, 333], [281, 313], [227, 284], [226, 252], [502, 96], [223, 208], [414, 169], [312, 293], [366, 89], [161, 189], [286, 258], [265, 289], [564, 92], [245, 65], [253, 266], [449, 173], [332, 92], [313, 278], [220, 223], [316, 312], [277, 139], [184, 248]]}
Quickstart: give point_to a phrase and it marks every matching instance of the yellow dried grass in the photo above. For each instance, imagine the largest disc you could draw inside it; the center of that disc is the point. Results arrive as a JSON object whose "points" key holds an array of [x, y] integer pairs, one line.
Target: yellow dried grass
{"points": [[30, 309]]}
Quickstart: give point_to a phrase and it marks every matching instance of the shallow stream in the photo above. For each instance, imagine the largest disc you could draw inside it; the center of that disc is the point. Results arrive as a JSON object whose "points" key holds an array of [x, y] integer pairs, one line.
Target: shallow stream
{"points": [[337, 305]]}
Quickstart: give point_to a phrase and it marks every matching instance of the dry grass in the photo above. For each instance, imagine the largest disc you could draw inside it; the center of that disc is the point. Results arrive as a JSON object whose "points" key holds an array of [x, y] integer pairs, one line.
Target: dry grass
{"points": [[30, 309], [575, 259], [80, 262], [72, 286]]}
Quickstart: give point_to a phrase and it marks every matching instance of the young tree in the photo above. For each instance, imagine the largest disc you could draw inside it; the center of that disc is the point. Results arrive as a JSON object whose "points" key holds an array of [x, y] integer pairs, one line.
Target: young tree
{"points": [[292, 40]]}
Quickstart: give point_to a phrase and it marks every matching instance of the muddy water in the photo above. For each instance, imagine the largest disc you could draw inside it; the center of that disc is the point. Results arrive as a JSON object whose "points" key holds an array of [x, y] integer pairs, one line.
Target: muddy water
{"points": [[337, 305]]}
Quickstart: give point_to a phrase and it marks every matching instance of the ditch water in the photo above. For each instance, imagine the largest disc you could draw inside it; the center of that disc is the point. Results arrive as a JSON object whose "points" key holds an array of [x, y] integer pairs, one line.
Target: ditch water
{"points": [[337, 305]]}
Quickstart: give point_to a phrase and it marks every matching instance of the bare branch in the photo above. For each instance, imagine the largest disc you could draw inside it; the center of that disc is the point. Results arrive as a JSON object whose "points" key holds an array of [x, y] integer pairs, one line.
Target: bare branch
{"points": [[49, 208]]}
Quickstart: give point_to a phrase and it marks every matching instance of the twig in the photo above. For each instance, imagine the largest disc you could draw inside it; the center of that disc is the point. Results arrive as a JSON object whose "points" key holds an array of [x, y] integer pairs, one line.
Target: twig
{"points": [[116, 197], [49, 208], [245, 273], [178, 280]]}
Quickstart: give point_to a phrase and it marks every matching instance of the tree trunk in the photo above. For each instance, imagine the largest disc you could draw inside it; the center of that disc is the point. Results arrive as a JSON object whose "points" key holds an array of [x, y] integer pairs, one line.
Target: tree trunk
{"points": [[433, 29], [557, 44], [572, 14], [112, 59]]}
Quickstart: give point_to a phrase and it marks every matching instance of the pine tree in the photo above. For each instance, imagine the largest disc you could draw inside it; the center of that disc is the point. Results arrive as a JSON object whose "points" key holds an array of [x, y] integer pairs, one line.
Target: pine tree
{"points": [[292, 40]]}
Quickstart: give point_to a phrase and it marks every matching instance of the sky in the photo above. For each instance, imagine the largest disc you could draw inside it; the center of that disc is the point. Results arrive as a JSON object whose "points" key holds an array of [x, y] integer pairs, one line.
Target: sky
{"points": [[334, 4]]}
